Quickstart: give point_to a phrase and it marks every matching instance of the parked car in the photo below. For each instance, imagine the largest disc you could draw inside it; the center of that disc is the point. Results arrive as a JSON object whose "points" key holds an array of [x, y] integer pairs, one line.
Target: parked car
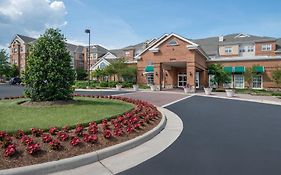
{"points": [[15, 81]]}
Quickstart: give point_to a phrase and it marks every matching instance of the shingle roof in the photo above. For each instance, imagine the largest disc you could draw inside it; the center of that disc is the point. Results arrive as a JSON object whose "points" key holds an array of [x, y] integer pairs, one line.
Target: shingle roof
{"points": [[26, 39], [209, 45], [101, 51], [117, 52]]}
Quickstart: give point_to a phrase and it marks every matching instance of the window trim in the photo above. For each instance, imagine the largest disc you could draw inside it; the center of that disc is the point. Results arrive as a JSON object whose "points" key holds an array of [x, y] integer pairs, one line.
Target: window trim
{"points": [[261, 82], [228, 50], [173, 44], [234, 82], [265, 48]]}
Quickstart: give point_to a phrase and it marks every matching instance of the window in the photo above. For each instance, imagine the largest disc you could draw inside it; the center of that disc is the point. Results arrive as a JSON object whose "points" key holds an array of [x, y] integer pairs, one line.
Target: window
{"points": [[150, 78], [238, 81], [257, 82], [266, 47], [228, 50], [15, 50], [102, 65], [250, 48], [182, 79], [173, 43], [127, 53]]}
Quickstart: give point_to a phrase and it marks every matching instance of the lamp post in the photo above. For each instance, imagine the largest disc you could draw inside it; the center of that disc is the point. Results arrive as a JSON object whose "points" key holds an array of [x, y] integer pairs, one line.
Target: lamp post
{"points": [[89, 51]]}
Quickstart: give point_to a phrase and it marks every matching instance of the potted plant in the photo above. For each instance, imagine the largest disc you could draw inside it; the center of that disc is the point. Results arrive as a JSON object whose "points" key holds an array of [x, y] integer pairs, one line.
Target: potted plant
{"points": [[187, 88], [229, 92], [208, 90], [152, 87], [136, 87], [118, 87]]}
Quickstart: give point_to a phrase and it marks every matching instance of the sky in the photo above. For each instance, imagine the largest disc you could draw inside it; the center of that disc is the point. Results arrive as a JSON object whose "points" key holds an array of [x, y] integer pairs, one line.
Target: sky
{"points": [[119, 23]]}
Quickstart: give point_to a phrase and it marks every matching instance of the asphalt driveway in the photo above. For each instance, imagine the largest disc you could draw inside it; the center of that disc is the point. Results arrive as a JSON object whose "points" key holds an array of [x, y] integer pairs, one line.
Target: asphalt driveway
{"points": [[221, 137]]}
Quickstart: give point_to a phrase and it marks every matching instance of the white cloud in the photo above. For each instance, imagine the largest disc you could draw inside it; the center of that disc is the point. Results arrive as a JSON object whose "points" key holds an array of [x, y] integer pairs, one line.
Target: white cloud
{"points": [[29, 17]]}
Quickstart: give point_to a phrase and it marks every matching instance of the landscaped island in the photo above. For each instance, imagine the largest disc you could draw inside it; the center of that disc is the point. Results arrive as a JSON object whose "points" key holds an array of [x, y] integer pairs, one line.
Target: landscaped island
{"points": [[94, 122]]}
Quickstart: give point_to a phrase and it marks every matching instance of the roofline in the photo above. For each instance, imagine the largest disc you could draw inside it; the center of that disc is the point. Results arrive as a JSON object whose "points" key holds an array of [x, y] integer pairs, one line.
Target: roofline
{"points": [[138, 56]]}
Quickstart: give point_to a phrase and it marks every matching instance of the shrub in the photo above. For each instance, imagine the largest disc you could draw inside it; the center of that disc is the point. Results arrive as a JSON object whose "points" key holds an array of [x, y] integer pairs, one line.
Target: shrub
{"points": [[90, 138], [104, 84], [26, 140], [107, 133], [49, 75], [112, 83], [127, 84], [79, 130], [62, 136], [53, 130]]}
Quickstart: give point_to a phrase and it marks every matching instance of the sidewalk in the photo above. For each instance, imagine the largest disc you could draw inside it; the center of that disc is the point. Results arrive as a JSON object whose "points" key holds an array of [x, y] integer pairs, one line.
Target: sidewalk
{"points": [[245, 97]]}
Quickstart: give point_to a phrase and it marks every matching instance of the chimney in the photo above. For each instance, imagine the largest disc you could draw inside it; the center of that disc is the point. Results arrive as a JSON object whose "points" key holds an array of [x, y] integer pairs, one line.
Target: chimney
{"points": [[221, 38]]}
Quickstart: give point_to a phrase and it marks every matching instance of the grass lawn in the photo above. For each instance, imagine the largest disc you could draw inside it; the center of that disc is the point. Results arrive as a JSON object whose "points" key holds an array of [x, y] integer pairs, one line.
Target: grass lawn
{"points": [[84, 110]]}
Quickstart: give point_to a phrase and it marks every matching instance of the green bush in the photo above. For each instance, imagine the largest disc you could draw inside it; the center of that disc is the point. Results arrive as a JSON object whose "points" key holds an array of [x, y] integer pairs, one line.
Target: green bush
{"points": [[104, 84], [49, 75], [84, 84], [143, 86], [127, 84], [112, 83]]}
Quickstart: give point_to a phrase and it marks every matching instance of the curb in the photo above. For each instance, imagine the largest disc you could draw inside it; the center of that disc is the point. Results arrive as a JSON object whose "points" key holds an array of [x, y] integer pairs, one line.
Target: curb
{"points": [[85, 159], [242, 99]]}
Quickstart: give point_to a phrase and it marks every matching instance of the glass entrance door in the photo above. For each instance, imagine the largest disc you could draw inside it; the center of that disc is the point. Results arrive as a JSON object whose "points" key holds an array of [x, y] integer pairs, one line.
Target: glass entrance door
{"points": [[197, 80], [182, 79]]}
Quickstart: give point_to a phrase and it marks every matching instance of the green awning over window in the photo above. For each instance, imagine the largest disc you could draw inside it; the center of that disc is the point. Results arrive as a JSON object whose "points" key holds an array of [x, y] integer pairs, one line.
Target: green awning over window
{"points": [[228, 69], [259, 69], [239, 69], [149, 68]]}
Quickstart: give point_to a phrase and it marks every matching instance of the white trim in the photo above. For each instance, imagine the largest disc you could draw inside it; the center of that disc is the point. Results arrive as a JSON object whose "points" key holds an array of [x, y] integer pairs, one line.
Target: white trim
{"points": [[241, 35], [154, 50], [192, 47], [95, 66], [261, 82], [234, 81], [177, 36], [108, 53], [139, 55], [252, 58]]}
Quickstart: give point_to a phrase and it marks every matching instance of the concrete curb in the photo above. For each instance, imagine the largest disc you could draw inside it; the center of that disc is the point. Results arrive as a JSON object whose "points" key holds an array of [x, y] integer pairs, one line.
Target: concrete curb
{"points": [[242, 99], [85, 159]]}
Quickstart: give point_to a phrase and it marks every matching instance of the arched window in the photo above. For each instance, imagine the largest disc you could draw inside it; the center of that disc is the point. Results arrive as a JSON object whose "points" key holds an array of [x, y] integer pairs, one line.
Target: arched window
{"points": [[102, 65], [173, 43]]}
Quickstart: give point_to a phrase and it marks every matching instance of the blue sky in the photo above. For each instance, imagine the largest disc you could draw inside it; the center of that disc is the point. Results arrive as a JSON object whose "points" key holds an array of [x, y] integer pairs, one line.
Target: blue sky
{"points": [[118, 23]]}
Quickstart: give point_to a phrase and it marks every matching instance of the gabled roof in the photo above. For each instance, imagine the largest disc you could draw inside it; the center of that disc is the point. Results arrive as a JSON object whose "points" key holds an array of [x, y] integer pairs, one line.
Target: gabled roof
{"points": [[94, 67], [233, 39], [26, 39], [109, 56]]}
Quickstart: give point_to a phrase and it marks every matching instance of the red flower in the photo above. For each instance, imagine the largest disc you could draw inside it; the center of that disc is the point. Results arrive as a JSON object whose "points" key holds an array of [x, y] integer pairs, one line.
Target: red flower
{"points": [[90, 138], [53, 130], [117, 132], [46, 138], [75, 141], [33, 148], [6, 141], [55, 144], [79, 130], [65, 129], [62, 136], [129, 129], [107, 133], [10, 150], [26, 140], [93, 129]]}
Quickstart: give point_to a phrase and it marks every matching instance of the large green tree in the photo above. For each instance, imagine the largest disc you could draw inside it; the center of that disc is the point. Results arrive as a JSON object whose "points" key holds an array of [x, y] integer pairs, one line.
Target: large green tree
{"points": [[220, 76], [276, 76], [49, 75], [4, 64], [81, 74]]}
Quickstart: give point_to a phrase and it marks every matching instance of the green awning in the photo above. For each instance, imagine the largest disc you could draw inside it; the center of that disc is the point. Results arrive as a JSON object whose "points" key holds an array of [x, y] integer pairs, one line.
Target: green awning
{"points": [[259, 69], [239, 69], [149, 69], [228, 69]]}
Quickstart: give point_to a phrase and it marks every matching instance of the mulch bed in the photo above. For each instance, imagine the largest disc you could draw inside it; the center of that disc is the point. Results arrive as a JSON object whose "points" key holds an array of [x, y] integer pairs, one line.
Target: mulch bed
{"points": [[46, 154]]}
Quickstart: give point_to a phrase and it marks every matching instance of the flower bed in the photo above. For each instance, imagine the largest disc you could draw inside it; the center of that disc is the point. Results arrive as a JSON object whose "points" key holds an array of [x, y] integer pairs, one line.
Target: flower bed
{"points": [[21, 149]]}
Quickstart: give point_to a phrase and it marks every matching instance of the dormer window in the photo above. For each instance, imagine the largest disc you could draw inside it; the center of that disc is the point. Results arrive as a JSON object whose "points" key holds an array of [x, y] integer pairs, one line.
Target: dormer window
{"points": [[266, 47], [173, 43]]}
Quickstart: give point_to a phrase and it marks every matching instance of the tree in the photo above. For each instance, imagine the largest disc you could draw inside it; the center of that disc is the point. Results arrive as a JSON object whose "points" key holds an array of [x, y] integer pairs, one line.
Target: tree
{"points": [[81, 74], [220, 76], [99, 74], [118, 66], [4, 64], [14, 71], [49, 75], [276, 76], [129, 74]]}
